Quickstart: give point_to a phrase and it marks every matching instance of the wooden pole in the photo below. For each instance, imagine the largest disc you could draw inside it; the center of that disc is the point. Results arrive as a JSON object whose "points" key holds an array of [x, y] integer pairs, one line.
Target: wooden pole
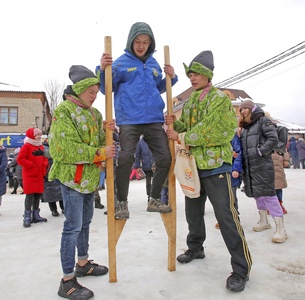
{"points": [[115, 227], [169, 220]]}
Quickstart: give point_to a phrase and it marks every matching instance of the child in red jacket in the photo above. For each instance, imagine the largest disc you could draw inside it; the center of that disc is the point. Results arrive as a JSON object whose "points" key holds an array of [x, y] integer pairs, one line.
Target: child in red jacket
{"points": [[34, 169]]}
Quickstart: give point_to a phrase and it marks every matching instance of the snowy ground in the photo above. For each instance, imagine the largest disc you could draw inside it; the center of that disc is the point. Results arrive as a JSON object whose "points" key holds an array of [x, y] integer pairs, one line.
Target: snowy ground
{"points": [[31, 266]]}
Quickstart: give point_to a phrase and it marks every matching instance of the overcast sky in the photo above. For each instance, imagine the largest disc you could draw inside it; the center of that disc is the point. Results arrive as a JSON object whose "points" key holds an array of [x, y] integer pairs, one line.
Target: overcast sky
{"points": [[40, 40]]}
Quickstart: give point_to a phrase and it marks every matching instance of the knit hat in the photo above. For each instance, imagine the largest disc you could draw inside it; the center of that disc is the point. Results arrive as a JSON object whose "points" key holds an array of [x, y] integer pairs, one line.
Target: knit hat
{"points": [[301, 140], [247, 104], [203, 64], [82, 78], [31, 132]]}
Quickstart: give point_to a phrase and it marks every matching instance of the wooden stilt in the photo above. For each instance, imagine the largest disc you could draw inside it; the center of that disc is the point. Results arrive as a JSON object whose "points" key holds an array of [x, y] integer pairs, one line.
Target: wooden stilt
{"points": [[115, 227], [169, 219]]}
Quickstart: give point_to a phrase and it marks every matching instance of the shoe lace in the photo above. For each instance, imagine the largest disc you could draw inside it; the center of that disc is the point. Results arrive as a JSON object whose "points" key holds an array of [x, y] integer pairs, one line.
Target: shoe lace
{"points": [[189, 252], [237, 278], [157, 202], [76, 284], [92, 263]]}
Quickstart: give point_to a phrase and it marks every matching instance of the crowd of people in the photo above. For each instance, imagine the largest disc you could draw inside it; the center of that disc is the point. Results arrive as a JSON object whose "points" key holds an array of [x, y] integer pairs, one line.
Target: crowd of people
{"points": [[70, 171]]}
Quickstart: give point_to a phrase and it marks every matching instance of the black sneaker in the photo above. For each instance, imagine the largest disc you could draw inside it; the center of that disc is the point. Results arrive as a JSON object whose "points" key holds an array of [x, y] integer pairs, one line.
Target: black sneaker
{"points": [[55, 213], [99, 205], [236, 283], [72, 290], [189, 255], [90, 268]]}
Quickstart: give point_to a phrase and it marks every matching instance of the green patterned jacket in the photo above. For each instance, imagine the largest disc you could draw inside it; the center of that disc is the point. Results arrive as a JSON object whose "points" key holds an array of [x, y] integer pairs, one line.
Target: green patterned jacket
{"points": [[210, 125], [75, 135]]}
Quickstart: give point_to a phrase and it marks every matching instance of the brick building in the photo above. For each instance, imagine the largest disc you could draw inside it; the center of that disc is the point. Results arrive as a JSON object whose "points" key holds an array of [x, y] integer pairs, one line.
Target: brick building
{"points": [[20, 110]]}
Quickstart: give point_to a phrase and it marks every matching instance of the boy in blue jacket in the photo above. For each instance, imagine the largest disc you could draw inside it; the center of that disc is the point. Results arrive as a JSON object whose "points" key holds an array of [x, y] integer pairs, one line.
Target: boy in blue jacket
{"points": [[137, 82]]}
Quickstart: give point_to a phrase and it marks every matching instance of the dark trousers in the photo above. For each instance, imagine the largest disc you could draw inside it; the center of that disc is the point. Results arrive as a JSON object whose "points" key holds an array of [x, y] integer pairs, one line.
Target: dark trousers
{"points": [[218, 189], [149, 176], [53, 205], [156, 139], [279, 194], [32, 201], [302, 161]]}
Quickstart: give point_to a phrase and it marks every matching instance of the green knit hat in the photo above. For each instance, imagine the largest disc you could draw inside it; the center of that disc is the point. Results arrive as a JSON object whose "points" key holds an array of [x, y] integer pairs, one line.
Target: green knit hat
{"points": [[82, 78], [203, 64]]}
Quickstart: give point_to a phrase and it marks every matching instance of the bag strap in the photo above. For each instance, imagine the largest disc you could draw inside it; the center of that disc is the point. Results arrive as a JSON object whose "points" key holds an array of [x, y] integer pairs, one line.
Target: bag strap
{"points": [[182, 143]]}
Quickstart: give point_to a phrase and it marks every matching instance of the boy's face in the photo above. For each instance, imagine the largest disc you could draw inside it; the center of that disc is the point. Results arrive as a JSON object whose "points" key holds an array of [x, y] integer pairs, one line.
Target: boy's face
{"points": [[141, 44], [198, 81], [88, 96]]}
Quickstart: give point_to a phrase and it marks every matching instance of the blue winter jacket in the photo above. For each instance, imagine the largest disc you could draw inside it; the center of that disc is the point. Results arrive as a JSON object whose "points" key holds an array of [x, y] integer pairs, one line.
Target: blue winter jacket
{"points": [[237, 162], [292, 148], [143, 156], [3, 166], [137, 87]]}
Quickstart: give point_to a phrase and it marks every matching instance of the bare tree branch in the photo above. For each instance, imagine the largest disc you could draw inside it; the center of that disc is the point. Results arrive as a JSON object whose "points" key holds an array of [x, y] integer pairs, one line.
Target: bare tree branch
{"points": [[54, 91]]}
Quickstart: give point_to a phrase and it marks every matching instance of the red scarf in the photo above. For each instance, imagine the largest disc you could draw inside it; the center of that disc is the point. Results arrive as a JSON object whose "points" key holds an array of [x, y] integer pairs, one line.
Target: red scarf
{"points": [[205, 91]]}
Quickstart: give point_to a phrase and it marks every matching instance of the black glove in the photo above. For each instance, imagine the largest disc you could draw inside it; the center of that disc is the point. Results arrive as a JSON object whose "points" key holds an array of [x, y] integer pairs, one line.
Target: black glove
{"points": [[38, 152]]}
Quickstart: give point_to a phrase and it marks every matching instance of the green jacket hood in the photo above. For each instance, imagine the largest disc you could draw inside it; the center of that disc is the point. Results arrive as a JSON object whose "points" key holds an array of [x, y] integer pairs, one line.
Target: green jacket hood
{"points": [[137, 29]]}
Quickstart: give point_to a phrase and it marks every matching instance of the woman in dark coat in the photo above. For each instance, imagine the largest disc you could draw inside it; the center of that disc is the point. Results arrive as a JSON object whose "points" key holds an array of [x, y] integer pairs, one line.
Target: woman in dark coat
{"points": [[52, 191], [17, 172], [258, 139], [3, 174], [34, 169]]}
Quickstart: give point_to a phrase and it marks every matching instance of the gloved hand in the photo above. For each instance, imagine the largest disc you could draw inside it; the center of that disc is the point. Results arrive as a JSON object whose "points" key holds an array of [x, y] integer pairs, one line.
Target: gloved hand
{"points": [[99, 157], [38, 152], [117, 149]]}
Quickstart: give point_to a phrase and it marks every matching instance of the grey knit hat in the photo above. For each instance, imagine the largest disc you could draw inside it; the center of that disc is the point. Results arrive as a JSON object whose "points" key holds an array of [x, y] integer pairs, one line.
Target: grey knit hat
{"points": [[247, 104], [82, 78]]}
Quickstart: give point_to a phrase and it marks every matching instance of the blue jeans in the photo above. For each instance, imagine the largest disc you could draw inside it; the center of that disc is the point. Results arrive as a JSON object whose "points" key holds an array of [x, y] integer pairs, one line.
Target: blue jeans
{"points": [[79, 213]]}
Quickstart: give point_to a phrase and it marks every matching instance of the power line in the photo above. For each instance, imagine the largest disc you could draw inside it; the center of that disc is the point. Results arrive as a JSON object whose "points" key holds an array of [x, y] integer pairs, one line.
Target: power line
{"points": [[8, 84], [277, 74], [262, 67], [264, 64], [235, 82]]}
